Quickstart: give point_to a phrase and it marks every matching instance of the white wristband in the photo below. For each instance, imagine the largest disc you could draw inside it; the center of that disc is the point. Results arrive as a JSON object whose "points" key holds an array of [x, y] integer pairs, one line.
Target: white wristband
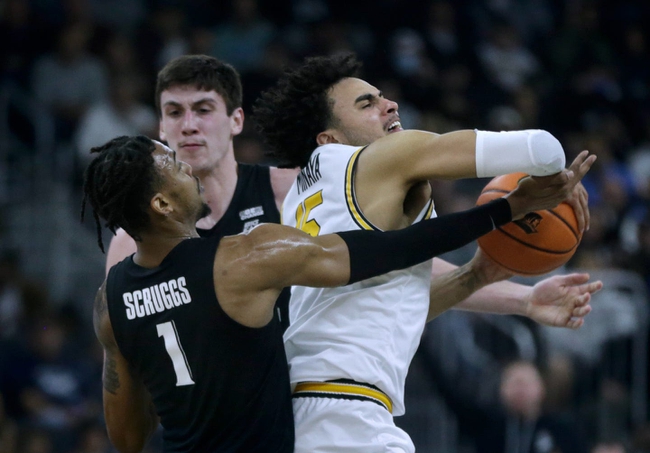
{"points": [[531, 151]]}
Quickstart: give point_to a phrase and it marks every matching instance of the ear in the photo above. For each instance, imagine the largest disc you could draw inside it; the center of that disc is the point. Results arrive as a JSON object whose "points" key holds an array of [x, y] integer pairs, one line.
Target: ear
{"points": [[160, 205], [326, 137], [161, 131], [237, 121]]}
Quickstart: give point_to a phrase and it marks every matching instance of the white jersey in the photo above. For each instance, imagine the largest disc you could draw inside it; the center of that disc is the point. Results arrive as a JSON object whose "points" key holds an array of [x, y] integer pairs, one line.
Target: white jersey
{"points": [[367, 331]]}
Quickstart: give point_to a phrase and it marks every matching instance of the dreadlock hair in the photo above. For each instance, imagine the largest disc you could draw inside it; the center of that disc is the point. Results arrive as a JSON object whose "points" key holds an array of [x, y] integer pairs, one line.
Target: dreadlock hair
{"points": [[203, 73], [292, 113], [119, 183]]}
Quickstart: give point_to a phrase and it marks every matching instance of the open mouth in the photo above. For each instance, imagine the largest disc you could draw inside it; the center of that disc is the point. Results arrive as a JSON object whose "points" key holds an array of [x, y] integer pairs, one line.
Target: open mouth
{"points": [[394, 126]]}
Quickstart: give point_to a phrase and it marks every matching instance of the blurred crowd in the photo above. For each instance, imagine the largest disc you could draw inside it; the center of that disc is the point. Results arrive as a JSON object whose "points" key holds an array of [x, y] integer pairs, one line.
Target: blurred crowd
{"points": [[578, 68]]}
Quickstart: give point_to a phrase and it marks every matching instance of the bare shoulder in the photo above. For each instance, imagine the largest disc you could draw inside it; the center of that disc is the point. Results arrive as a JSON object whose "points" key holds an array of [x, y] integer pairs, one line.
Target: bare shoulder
{"points": [[264, 237], [250, 270], [267, 249]]}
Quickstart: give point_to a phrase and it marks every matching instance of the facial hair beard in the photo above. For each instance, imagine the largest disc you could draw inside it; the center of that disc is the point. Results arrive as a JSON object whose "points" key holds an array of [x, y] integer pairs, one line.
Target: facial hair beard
{"points": [[204, 211]]}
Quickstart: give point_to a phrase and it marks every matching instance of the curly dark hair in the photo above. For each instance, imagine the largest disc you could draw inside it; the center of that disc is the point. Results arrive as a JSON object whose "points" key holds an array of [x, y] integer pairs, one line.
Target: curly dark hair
{"points": [[119, 183], [292, 113], [204, 73]]}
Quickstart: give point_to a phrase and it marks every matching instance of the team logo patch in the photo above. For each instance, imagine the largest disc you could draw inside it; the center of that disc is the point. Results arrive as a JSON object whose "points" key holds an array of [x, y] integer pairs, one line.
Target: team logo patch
{"points": [[529, 223], [251, 212], [250, 225]]}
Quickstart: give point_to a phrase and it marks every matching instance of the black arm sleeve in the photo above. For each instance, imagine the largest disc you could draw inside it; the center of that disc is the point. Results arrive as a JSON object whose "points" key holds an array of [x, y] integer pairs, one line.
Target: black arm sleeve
{"points": [[374, 253]]}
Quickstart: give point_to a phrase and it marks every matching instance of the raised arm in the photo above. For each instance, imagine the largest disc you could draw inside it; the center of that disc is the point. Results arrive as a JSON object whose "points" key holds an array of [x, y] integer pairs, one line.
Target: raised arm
{"points": [[128, 409], [413, 155], [250, 270]]}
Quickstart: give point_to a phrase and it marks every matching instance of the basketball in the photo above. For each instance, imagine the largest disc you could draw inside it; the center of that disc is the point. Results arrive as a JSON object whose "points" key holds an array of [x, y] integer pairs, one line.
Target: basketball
{"points": [[534, 245]]}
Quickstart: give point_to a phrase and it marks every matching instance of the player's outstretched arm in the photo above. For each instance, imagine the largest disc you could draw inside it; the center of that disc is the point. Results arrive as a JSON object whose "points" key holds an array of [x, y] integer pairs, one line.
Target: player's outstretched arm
{"points": [[558, 301], [412, 156], [128, 409], [251, 269]]}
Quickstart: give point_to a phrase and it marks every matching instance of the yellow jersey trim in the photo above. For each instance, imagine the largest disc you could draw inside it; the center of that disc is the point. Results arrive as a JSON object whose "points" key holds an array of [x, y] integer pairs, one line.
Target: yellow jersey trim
{"points": [[350, 196], [343, 389]]}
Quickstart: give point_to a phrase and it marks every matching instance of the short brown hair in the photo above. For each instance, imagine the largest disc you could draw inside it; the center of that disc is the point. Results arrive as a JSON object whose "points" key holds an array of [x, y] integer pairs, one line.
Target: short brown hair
{"points": [[204, 73]]}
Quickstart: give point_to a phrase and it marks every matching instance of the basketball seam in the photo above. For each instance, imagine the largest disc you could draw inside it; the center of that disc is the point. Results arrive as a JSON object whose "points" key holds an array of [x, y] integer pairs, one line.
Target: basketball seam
{"points": [[534, 247], [558, 216]]}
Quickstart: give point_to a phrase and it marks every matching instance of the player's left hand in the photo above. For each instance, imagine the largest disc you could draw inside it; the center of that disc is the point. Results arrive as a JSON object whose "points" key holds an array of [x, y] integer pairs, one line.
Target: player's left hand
{"points": [[562, 300]]}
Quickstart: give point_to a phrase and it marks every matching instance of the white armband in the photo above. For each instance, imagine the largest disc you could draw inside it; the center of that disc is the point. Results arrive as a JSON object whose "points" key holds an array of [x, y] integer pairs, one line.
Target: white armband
{"points": [[531, 151]]}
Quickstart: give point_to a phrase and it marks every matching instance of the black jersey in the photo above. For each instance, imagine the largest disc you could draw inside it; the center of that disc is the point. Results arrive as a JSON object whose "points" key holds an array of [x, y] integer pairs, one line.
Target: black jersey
{"points": [[252, 203], [217, 386]]}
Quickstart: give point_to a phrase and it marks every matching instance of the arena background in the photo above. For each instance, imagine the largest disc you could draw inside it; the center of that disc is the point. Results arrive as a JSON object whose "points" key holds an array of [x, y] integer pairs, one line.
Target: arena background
{"points": [[75, 73]]}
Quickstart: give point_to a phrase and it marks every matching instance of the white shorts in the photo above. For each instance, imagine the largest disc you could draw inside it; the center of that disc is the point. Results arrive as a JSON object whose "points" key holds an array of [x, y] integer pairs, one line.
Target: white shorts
{"points": [[329, 425]]}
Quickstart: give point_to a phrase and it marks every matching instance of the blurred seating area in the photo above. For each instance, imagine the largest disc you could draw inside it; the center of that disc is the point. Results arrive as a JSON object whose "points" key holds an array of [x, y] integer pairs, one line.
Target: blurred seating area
{"points": [[75, 73]]}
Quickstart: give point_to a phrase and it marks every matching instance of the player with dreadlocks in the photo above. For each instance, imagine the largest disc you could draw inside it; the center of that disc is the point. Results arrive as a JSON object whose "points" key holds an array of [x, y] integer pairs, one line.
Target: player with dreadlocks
{"points": [[187, 323]]}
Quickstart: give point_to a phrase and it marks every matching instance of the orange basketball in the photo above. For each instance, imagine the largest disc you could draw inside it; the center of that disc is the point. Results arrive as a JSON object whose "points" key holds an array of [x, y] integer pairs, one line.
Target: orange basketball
{"points": [[538, 243]]}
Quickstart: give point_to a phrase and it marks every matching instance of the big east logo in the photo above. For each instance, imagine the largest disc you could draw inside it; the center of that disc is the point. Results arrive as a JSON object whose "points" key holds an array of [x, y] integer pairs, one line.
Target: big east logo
{"points": [[529, 223]]}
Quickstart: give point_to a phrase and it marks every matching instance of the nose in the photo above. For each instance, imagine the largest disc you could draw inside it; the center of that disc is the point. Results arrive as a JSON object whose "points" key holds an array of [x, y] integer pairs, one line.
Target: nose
{"points": [[391, 106], [189, 123]]}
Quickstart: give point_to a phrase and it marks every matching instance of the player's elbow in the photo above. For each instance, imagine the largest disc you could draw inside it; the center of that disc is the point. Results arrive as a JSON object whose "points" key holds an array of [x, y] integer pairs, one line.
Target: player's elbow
{"points": [[546, 153], [534, 151]]}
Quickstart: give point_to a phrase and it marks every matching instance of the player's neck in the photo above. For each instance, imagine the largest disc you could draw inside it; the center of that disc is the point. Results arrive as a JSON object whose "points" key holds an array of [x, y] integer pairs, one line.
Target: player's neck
{"points": [[219, 186], [153, 249]]}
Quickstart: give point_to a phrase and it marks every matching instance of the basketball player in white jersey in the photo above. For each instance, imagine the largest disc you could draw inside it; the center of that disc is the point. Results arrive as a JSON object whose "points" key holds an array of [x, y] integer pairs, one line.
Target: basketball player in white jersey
{"points": [[349, 348]]}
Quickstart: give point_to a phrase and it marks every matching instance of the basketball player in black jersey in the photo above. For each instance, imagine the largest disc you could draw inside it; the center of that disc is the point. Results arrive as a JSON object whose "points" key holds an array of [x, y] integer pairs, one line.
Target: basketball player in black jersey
{"points": [[199, 102], [187, 323]]}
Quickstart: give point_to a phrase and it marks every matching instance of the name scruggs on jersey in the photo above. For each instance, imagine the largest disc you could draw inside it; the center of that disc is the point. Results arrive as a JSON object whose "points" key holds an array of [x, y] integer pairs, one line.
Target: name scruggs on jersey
{"points": [[156, 298]]}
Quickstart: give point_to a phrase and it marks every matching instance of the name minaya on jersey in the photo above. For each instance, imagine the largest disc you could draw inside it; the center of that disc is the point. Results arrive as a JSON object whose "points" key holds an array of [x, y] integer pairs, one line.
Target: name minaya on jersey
{"points": [[308, 175]]}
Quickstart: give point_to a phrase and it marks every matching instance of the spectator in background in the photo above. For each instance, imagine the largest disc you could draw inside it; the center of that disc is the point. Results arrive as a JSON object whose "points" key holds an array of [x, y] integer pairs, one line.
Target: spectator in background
{"points": [[520, 424], [411, 65], [506, 61], [447, 42], [8, 431], [20, 298], [69, 80], [34, 440], [55, 386], [580, 41], [121, 114], [21, 40], [120, 15], [121, 56], [638, 260], [243, 39], [164, 36], [609, 446]]}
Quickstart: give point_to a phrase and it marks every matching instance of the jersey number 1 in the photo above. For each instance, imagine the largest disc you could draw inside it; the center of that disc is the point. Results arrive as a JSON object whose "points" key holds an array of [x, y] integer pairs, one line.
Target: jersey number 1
{"points": [[167, 330], [311, 227]]}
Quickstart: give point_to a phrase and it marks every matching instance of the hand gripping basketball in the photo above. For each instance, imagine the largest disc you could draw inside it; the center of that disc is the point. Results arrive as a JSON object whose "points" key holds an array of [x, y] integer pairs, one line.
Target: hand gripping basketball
{"points": [[540, 240]]}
